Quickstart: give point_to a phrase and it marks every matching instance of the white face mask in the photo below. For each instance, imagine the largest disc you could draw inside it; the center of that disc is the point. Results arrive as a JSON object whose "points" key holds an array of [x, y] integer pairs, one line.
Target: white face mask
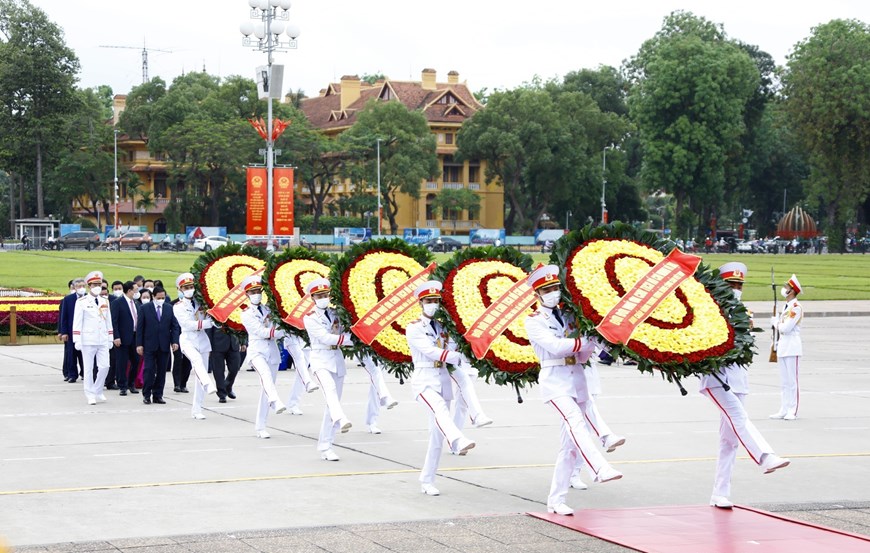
{"points": [[149, 288], [81, 291], [117, 293], [784, 292], [188, 293], [95, 290], [136, 295], [158, 303], [255, 298], [551, 299], [737, 294], [146, 300], [321, 303], [429, 309]]}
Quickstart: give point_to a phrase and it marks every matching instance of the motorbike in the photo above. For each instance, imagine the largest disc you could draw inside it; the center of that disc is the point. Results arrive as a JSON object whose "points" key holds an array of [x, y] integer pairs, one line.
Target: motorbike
{"points": [[51, 243], [167, 244]]}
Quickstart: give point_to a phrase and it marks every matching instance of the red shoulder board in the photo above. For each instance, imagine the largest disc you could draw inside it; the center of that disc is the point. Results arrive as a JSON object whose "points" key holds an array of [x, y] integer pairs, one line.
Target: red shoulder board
{"points": [[310, 313], [244, 306]]}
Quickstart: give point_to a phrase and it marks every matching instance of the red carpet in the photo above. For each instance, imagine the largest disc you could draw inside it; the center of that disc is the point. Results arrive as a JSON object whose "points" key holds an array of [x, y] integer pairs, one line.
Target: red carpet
{"points": [[704, 529]]}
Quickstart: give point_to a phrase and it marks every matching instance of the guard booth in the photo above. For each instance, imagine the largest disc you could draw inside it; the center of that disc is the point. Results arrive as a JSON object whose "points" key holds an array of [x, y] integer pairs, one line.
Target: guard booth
{"points": [[37, 230]]}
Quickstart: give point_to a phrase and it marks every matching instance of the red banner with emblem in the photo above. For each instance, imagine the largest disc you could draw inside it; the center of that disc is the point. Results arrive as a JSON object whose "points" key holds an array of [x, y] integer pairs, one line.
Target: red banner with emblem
{"points": [[231, 301], [650, 291], [257, 198], [496, 318], [390, 308], [294, 317], [282, 201]]}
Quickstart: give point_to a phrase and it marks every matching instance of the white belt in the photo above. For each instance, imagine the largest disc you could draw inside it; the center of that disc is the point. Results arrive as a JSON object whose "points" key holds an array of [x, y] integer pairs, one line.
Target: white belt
{"points": [[435, 365], [324, 348], [559, 362]]}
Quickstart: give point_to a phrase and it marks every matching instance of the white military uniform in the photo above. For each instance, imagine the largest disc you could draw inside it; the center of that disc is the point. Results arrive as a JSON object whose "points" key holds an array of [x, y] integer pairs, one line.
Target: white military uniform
{"points": [[264, 357], [93, 336], [196, 346], [326, 363], [789, 349], [467, 402], [431, 352], [379, 394], [303, 382]]}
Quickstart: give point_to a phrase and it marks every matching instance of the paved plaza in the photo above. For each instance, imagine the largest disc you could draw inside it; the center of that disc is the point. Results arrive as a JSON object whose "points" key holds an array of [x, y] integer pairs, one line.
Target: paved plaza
{"points": [[123, 476]]}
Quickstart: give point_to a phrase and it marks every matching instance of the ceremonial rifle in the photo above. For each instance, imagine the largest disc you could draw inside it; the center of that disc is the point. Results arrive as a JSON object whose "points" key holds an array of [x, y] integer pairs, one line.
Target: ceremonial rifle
{"points": [[775, 337]]}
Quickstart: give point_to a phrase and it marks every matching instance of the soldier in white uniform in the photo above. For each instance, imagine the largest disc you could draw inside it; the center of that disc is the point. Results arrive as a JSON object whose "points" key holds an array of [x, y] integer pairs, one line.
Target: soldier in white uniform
{"points": [[92, 335], [563, 386], [431, 352], [262, 354], [734, 425], [379, 394], [327, 363], [295, 346], [195, 344], [467, 402], [787, 331]]}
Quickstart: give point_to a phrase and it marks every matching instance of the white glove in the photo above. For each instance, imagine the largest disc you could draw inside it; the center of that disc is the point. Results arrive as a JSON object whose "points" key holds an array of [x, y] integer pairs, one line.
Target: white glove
{"points": [[348, 338], [774, 322], [78, 346]]}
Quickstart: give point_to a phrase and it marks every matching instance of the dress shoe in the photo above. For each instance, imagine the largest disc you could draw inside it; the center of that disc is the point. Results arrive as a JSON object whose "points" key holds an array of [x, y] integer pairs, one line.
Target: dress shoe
{"points": [[789, 417], [294, 410], [111, 387], [101, 398], [263, 434], [231, 394], [66, 379], [772, 462], [611, 442], [177, 390], [199, 416], [146, 401], [183, 390], [578, 484], [72, 381], [344, 425], [280, 407], [429, 489], [561, 509], [721, 502], [481, 421], [222, 400], [463, 445], [329, 455], [389, 403], [159, 400], [607, 473], [777, 415], [133, 390], [123, 392], [92, 400], [311, 387], [373, 429]]}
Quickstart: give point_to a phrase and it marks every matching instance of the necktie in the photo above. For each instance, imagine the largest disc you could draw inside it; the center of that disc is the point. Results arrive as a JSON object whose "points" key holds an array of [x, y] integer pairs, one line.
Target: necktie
{"points": [[133, 313], [158, 312], [260, 309], [97, 301], [558, 317], [328, 318]]}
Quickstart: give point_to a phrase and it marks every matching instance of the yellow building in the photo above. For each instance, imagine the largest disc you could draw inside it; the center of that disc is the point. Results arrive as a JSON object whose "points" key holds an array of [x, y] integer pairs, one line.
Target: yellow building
{"points": [[446, 107]]}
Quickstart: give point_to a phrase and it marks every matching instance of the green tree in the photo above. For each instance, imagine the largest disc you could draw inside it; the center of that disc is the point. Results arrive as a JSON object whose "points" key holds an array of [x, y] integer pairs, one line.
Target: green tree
{"points": [[827, 95], [37, 87], [452, 202], [690, 89], [407, 152]]}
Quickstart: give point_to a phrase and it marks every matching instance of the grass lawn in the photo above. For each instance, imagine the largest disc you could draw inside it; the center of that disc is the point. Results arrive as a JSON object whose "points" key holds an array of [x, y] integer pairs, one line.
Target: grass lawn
{"points": [[824, 277]]}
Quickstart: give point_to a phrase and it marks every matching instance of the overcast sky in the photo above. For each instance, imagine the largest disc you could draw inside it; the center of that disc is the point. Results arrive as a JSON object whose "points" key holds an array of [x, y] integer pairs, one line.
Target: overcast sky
{"points": [[492, 44]]}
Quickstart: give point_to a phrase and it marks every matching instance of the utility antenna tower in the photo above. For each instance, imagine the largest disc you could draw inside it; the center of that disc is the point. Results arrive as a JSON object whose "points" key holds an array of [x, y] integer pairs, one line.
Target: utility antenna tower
{"points": [[145, 51]]}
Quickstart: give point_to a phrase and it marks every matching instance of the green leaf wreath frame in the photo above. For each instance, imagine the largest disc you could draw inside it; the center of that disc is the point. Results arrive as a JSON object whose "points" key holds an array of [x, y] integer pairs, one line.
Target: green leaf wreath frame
{"points": [[485, 367], [206, 259], [733, 310], [275, 262], [401, 369]]}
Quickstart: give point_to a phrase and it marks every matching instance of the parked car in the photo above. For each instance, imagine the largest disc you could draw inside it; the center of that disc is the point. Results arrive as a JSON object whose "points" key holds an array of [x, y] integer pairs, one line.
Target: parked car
{"points": [[443, 244], [209, 243], [133, 239], [747, 246], [87, 239]]}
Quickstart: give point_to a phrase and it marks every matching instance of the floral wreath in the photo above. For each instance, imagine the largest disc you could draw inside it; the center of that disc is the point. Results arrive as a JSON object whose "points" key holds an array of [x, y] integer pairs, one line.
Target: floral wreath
{"points": [[286, 276], [360, 278], [689, 333], [220, 270], [472, 279]]}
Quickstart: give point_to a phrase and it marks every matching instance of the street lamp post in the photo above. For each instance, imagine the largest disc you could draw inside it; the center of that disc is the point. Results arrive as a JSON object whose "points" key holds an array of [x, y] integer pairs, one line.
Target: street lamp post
{"points": [[379, 187], [117, 197], [604, 183], [567, 218], [272, 14]]}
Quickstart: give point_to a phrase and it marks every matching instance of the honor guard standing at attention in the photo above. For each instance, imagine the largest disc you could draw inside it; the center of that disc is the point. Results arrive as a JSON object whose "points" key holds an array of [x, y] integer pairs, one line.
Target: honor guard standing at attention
{"points": [[787, 330], [263, 354], [727, 388], [194, 341], [327, 363], [431, 352], [93, 335], [563, 386]]}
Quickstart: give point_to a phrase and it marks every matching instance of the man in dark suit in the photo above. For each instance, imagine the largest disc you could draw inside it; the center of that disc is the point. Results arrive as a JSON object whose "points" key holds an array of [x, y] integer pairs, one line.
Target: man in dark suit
{"points": [[180, 366], [113, 381], [157, 334], [125, 317], [225, 354], [72, 358]]}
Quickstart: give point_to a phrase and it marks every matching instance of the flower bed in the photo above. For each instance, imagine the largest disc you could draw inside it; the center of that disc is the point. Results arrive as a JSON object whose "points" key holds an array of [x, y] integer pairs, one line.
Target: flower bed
{"points": [[34, 314]]}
